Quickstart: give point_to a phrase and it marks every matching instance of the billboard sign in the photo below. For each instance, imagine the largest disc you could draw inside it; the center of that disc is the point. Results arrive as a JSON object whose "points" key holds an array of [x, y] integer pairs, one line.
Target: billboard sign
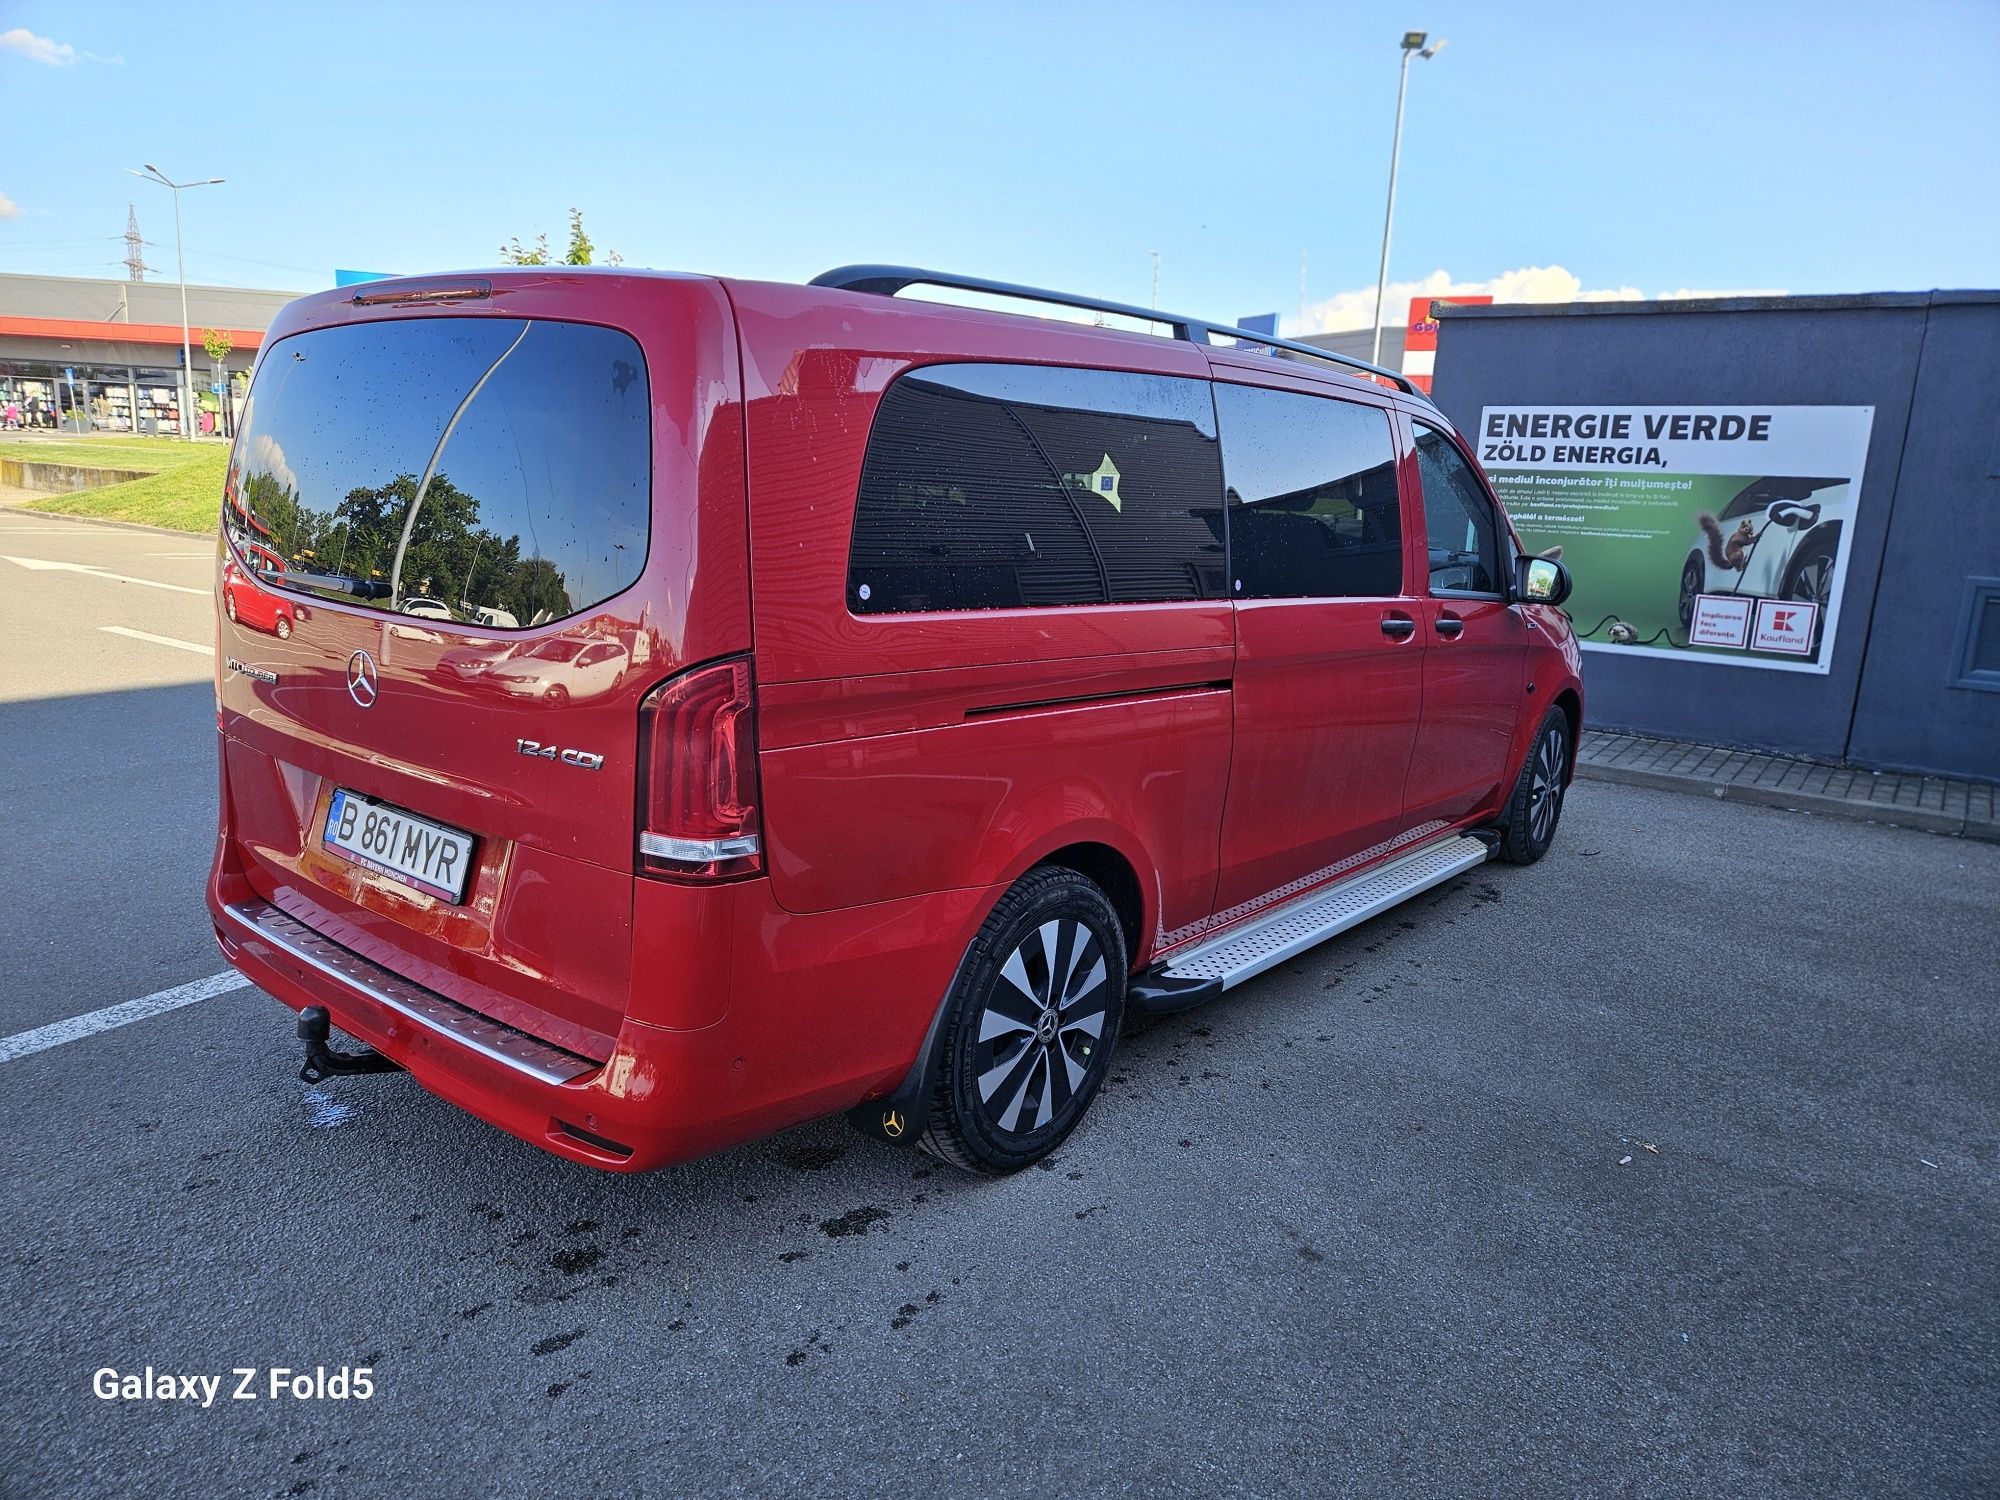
{"points": [[1717, 534]]}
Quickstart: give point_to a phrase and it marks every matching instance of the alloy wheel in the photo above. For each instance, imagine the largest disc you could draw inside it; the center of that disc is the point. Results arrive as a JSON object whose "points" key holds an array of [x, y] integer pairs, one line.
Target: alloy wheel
{"points": [[1545, 790], [1692, 579], [1042, 1023], [1813, 582]]}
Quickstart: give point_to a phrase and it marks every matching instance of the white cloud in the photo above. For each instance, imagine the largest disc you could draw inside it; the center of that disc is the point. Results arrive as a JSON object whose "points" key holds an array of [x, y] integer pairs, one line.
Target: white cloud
{"points": [[9, 209], [1745, 291], [267, 457], [39, 49], [1346, 311]]}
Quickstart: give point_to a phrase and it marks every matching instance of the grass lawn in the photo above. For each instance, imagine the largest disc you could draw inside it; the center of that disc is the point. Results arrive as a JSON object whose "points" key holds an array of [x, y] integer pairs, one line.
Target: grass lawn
{"points": [[182, 488]]}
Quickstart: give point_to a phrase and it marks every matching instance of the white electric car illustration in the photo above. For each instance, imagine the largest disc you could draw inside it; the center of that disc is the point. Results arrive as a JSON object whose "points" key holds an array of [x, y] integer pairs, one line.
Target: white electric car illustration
{"points": [[1778, 539]]}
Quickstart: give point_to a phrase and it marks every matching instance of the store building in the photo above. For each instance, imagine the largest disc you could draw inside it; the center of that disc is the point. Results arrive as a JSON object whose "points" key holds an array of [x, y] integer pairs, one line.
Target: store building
{"points": [[1359, 343], [87, 354], [1410, 346]]}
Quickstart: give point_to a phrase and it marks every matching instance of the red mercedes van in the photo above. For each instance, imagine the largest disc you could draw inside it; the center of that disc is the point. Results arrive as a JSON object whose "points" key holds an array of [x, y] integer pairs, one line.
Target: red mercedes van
{"points": [[722, 704]]}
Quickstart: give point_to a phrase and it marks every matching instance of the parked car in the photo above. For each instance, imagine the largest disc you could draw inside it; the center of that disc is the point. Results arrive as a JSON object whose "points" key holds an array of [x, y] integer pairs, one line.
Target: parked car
{"points": [[555, 670], [247, 596], [979, 681], [471, 663]]}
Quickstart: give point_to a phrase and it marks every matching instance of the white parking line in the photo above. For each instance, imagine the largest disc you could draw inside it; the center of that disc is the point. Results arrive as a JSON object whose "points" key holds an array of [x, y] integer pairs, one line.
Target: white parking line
{"points": [[40, 564], [25, 1043], [157, 640]]}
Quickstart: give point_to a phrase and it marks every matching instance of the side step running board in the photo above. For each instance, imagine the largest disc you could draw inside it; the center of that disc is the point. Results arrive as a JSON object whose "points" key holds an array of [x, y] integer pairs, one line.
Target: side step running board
{"points": [[1243, 952]]}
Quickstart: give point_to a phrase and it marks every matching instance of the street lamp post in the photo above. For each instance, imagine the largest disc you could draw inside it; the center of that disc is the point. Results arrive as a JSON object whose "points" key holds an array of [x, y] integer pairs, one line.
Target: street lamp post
{"points": [[154, 174], [1413, 43]]}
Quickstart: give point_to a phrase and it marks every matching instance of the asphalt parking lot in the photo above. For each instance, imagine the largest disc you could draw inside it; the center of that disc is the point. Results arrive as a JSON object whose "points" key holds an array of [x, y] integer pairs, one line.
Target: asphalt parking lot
{"points": [[1666, 1167]]}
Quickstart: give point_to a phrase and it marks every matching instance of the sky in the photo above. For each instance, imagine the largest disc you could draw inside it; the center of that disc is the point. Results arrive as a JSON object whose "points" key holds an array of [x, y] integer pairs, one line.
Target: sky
{"points": [[1549, 151]]}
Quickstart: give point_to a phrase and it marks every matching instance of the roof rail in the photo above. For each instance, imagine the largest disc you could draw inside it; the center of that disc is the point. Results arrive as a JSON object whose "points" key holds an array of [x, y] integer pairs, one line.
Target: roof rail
{"points": [[887, 281]]}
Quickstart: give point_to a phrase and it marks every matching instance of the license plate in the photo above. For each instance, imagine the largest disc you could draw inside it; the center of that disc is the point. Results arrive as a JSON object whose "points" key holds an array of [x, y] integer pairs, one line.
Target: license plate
{"points": [[400, 844]]}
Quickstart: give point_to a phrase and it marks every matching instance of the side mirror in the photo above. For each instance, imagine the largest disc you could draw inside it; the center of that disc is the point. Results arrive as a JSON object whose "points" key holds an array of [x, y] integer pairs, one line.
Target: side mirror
{"points": [[1540, 580]]}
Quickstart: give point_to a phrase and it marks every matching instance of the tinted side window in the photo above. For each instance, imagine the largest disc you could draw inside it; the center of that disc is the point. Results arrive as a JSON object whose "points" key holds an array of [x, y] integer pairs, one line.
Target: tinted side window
{"points": [[998, 486], [1464, 534], [486, 470], [1313, 505]]}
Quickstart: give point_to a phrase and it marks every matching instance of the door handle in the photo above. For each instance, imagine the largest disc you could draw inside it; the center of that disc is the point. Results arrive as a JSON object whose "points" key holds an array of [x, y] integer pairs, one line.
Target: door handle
{"points": [[1450, 626], [1397, 629]]}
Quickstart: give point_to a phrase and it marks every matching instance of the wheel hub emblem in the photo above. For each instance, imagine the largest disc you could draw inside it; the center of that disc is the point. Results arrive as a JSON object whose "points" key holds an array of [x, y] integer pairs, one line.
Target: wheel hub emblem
{"points": [[1045, 1029], [364, 684]]}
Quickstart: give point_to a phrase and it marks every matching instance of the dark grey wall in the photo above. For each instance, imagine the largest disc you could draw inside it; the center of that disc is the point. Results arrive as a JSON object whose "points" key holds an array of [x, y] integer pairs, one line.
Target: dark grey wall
{"points": [[1929, 514], [1946, 529]]}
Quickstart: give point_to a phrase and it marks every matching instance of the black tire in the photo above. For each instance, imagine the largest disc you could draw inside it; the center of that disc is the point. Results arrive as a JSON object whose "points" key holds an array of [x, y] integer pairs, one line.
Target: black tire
{"points": [[1694, 580], [1535, 807], [1021, 1063], [1809, 577], [283, 629]]}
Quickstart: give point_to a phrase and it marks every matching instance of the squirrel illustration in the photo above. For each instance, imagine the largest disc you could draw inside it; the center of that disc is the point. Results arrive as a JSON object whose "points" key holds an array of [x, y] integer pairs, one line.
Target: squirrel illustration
{"points": [[1733, 553]]}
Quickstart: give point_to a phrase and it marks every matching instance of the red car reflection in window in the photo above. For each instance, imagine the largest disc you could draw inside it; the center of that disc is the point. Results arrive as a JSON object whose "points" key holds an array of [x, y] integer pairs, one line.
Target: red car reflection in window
{"points": [[245, 598]]}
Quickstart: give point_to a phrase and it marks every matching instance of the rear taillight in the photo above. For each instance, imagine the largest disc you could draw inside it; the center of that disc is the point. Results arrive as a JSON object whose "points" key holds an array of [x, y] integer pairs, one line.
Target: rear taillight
{"points": [[698, 776]]}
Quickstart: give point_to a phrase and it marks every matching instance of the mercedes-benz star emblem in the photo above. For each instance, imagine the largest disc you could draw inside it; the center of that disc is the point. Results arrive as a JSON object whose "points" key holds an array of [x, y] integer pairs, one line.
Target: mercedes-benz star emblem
{"points": [[364, 684]]}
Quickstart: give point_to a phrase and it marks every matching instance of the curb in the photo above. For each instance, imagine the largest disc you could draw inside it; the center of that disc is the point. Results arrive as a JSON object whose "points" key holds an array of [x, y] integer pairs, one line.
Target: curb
{"points": [[27, 508], [1983, 830]]}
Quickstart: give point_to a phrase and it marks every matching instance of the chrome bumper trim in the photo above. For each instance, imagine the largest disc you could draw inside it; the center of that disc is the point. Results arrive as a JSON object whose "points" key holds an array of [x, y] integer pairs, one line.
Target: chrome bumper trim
{"points": [[443, 1017]]}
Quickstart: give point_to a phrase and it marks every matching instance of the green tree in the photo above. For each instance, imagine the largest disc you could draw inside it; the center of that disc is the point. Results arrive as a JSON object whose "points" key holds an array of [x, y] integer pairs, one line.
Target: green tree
{"points": [[579, 243], [514, 253], [218, 343], [581, 252], [450, 555], [536, 591]]}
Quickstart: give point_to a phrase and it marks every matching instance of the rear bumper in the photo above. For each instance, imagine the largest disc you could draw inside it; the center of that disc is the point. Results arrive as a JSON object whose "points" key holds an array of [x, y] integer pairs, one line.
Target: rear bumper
{"points": [[269, 936], [819, 1013], [615, 1114]]}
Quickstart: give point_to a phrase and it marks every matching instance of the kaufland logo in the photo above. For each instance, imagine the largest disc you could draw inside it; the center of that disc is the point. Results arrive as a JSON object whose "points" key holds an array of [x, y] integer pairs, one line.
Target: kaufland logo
{"points": [[1785, 627]]}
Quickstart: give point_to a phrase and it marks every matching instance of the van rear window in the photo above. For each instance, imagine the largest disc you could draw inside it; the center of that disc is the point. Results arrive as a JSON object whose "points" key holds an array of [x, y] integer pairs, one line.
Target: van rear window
{"points": [[495, 472], [1001, 486]]}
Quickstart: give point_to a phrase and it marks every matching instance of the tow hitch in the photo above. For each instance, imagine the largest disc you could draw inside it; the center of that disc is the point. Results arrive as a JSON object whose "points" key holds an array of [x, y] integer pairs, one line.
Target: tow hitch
{"points": [[322, 1061]]}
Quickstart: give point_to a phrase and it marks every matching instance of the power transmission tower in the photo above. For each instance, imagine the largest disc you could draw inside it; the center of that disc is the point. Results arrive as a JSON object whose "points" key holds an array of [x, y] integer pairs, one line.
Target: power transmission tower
{"points": [[135, 252]]}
